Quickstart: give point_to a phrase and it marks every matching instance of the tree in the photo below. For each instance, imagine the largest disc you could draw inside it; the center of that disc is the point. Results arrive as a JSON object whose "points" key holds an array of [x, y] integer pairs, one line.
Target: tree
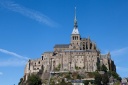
{"points": [[64, 83], [78, 76], [98, 79], [34, 80], [115, 75], [21, 81], [86, 82], [104, 68], [98, 66], [58, 68], [105, 79], [76, 67], [68, 76]]}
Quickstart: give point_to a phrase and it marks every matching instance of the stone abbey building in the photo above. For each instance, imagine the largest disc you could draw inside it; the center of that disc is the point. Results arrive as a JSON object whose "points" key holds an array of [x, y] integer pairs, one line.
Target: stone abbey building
{"points": [[79, 54]]}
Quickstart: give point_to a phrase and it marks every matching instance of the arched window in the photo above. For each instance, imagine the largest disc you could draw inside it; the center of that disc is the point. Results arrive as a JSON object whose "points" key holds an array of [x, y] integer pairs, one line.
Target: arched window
{"points": [[39, 62], [42, 57]]}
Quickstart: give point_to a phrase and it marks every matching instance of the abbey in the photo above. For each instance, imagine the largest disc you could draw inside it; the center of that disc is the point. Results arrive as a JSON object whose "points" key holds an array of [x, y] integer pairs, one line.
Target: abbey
{"points": [[79, 54]]}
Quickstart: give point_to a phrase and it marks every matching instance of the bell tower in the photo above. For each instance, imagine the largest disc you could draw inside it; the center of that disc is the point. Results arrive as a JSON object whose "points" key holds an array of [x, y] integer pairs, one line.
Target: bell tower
{"points": [[75, 36]]}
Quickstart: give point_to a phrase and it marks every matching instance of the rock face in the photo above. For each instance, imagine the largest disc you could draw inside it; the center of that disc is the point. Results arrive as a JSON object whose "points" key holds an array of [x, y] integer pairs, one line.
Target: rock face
{"points": [[79, 54]]}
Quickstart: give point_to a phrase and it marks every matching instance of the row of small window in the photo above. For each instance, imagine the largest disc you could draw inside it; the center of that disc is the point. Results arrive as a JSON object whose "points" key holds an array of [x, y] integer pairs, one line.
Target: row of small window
{"points": [[38, 63], [35, 68], [81, 60], [81, 53], [91, 56], [79, 56], [75, 38]]}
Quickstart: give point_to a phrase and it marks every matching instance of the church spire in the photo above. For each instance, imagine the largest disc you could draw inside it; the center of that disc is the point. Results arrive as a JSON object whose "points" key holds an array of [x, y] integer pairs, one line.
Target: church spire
{"points": [[75, 30], [75, 20]]}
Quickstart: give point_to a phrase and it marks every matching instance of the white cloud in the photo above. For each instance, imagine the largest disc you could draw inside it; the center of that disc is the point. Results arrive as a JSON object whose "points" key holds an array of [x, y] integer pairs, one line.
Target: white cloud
{"points": [[119, 52], [1, 73], [27, 12], [13, 54], [13, 62], [17, 59]]}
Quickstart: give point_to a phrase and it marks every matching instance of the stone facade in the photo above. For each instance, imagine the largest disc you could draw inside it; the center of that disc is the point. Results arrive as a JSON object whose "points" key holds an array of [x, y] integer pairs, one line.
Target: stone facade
{"points": [[79, 54]]}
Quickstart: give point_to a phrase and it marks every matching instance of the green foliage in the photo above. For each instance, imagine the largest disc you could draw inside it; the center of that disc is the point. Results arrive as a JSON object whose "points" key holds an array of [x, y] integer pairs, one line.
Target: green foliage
{"points": [[74, 75], [91, 74], [58, 68], [69, 83], [86, 82], [101, 68], [52, 82], [104, 68], [70, 72], [68, 76], [76, 67], [117, 83], [21, 81], [64, 83], [78, 76], [101, 78], [115, 75], [98, 66], [105, 79], [98, 79], [34, 80], [44, 81]]}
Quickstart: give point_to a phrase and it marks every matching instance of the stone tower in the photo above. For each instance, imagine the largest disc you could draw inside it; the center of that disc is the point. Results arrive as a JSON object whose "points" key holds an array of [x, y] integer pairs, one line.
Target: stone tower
{"points": [[75, 36]]}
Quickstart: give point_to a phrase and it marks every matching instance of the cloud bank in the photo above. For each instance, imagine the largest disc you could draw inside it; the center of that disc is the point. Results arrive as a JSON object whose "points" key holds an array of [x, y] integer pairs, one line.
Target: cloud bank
{"points": [[119, 52], [17, 60], [32, 14], [13, 54], [12, 62]]}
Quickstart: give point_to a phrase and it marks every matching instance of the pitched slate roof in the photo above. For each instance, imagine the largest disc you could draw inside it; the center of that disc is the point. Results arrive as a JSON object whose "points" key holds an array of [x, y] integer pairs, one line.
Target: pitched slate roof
{"points": [[61, 46]]}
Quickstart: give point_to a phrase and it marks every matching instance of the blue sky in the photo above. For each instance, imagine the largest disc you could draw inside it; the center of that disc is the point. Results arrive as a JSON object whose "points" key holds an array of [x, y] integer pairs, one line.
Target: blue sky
{"points": [[30, 27]]}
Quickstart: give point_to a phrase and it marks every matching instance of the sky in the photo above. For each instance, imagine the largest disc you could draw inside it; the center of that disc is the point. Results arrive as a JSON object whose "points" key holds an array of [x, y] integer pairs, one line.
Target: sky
{"points": [[30, 27]]}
